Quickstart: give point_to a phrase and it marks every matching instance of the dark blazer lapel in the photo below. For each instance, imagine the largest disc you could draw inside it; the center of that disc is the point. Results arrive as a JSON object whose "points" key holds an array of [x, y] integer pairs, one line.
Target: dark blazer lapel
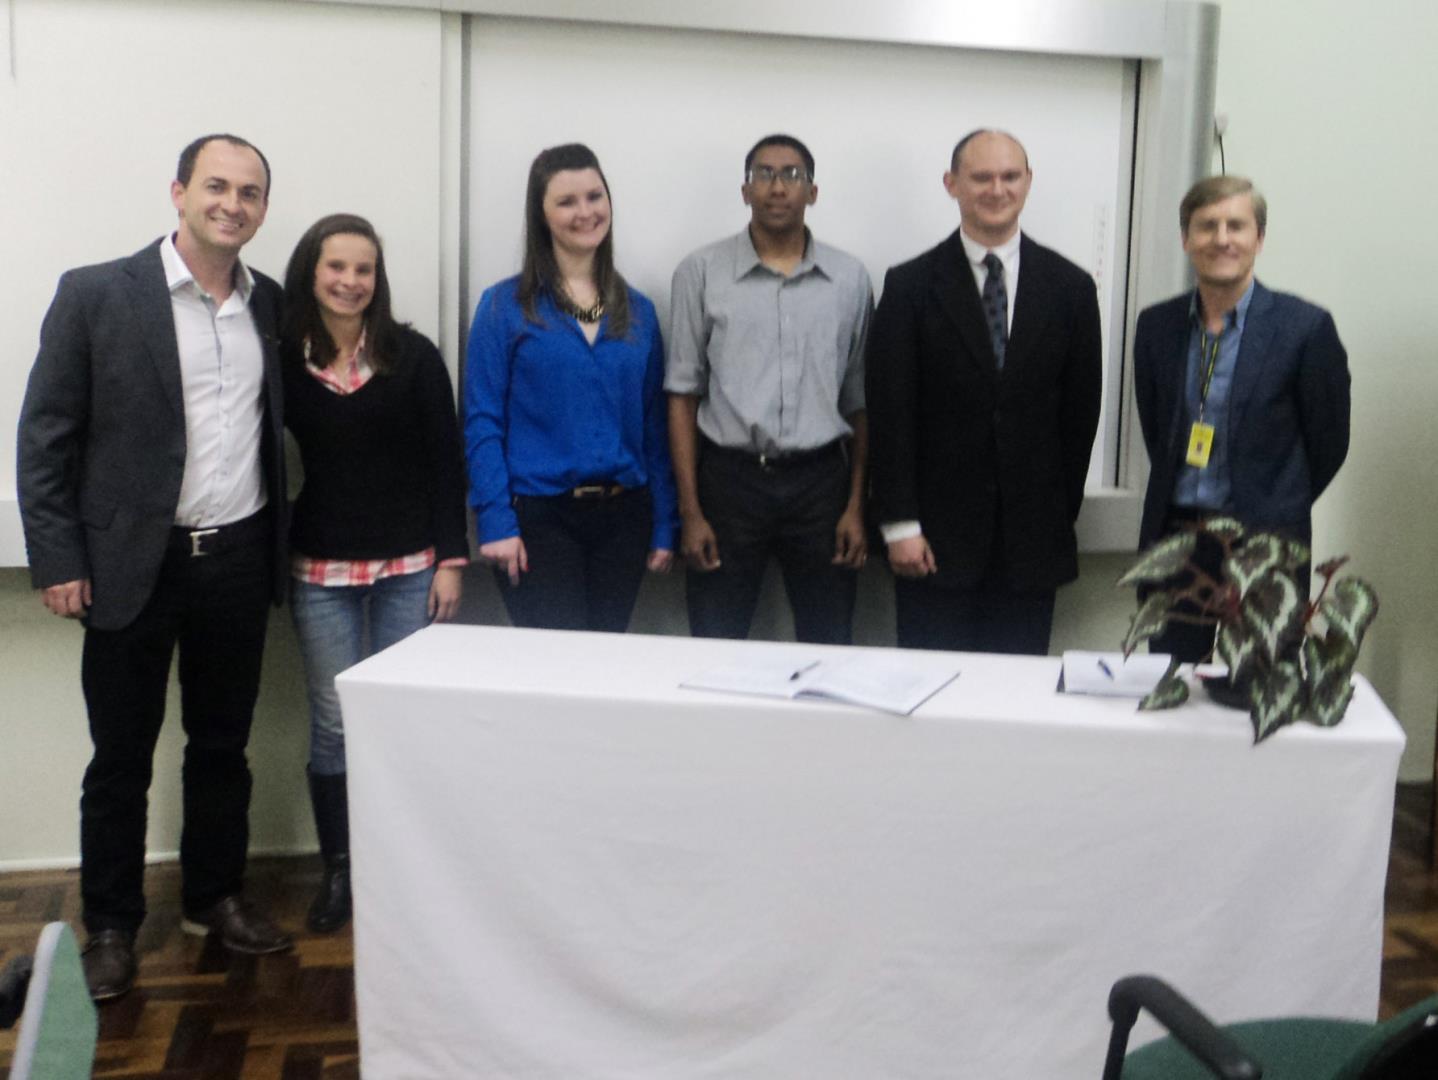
{"points": [[958, 297], [1031, 305], [263, 309], [1177, 333], [157, 321], [1258, 331]]}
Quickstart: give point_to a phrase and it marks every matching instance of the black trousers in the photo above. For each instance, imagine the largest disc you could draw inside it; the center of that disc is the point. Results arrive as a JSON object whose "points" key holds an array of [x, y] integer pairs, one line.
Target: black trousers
{"points": [[215, 609], [586, 561], [989, 617], [788, 510]]}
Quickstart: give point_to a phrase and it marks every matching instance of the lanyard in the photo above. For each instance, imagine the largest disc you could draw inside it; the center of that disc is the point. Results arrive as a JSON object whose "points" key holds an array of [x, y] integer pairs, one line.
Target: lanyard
{"points": [[1209, 351]]}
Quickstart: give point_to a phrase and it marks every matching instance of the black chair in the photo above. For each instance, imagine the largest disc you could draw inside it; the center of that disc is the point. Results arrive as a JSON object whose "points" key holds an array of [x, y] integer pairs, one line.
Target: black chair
{"points": [[1403, 1048]]}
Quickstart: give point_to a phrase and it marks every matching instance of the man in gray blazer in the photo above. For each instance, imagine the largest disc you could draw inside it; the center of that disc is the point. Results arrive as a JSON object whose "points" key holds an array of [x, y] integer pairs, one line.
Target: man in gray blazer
{"points": [[150, 476]]}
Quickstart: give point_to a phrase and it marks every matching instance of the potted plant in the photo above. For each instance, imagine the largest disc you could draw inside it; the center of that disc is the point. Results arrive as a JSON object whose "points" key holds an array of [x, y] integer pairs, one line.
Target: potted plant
{"points": [[1288, 656]]}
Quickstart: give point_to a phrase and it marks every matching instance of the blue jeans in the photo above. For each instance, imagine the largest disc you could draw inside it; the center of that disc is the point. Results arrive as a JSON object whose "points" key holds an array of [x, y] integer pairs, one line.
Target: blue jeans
{"points": [[338, 626]]}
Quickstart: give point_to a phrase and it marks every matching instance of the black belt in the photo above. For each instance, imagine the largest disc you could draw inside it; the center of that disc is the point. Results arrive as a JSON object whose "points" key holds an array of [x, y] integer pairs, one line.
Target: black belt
{"points": [[216, 540], [1182, 515], [784, 459]]}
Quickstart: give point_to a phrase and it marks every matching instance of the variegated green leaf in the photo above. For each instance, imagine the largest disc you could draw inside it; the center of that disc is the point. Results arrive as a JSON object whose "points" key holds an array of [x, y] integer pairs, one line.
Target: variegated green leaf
{"points": [[1160, 562], [1225, 528], [1169, 692], [1150, 618], [1258, 556], [1278, 701], [1349, 609], [1237, 648], [1328, 677], [1329, 709], [1273, 611], [1295, 554]]}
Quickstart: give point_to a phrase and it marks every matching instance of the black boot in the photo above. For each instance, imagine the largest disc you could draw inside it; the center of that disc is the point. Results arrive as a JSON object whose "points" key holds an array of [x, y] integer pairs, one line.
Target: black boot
{"points": [[332, 905]]}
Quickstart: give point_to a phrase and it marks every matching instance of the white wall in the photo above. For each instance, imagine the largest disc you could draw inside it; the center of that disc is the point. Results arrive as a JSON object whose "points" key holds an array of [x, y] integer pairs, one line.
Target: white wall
{"points": [[1330, 111], [104, 95], [1318, 102]]}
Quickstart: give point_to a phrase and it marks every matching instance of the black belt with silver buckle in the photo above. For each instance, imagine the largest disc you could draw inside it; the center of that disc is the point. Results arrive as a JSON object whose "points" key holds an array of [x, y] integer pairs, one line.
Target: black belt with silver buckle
{"points": [[216, 540], [781, 460], [597, 491]]}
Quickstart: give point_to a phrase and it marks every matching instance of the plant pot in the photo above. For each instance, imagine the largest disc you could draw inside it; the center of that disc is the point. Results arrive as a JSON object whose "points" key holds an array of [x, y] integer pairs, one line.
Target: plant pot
{"points": [[1223, 692]]}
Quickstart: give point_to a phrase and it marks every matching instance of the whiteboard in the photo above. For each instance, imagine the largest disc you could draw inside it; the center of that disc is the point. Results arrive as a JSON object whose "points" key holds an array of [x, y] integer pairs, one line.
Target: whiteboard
{"points": [[103, 96], [671, 114]]}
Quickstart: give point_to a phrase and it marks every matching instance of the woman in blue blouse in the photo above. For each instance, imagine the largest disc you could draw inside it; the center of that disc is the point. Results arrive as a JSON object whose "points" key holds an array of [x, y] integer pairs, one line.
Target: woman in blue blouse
{"points": [[565, 429]]}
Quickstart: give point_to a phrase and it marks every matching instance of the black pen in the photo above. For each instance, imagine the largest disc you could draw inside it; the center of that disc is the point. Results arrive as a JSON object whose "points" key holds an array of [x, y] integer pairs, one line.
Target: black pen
{"points": [[1103, 666], [803, 670]]}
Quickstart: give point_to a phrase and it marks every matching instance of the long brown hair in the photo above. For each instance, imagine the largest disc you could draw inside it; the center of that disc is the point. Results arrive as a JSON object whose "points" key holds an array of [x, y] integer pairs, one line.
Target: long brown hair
{"points": [[540, 272], [302, 311]]}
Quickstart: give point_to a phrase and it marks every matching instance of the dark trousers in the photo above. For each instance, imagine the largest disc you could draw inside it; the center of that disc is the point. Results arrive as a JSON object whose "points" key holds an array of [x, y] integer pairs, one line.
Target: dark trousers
{"points": [[215, 608], [1189, 643], [989, 617], [787, 510], [586, 561]]}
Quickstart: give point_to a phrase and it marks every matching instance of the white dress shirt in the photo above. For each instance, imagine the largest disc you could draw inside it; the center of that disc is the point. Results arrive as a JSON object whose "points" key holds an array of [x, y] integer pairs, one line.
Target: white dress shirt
{"points": [[222, 372], [1008, 253]]}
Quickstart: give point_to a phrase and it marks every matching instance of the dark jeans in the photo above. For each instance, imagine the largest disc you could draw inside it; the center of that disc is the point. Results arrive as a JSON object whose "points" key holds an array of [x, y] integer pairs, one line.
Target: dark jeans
{"points": [[788, 510], [215, 608], [586, 561], [987, 618]]}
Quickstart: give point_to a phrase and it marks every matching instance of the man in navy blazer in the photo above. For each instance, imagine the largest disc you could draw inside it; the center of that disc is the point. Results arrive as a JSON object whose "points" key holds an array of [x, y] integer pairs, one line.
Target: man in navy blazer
{"points": [[151, 484], [1243, 393], [983, 383]]}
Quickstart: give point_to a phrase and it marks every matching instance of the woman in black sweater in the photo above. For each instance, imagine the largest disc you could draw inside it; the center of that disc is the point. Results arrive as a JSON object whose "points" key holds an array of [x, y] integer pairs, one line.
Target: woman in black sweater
{"points": [[378, 533]]}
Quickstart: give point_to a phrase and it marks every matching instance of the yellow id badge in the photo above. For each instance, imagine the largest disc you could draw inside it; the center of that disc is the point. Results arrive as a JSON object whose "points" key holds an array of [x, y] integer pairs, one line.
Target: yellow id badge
{"points": [[1200, 445]]}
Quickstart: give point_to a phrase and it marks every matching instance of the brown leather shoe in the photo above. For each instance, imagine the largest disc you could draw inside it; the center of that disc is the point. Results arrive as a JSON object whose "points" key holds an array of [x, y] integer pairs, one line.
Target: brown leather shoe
{"points": [[241, 928], [108, 959]]}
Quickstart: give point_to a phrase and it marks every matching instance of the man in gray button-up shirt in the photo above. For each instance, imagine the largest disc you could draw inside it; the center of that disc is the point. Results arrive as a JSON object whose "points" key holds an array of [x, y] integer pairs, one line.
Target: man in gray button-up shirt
{"points": [[766, 409]]}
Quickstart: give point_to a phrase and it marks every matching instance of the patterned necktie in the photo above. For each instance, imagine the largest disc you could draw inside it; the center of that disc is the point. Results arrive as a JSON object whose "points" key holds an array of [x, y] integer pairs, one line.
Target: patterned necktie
{"points": [[996, 306]]}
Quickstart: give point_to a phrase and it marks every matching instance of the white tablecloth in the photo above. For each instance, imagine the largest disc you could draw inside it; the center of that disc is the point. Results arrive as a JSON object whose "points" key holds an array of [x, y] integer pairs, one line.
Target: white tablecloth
{"points": [[567, 867]]}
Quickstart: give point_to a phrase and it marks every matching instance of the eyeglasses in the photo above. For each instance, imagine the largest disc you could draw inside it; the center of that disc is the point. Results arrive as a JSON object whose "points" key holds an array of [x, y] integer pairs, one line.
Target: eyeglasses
{"points": [[789, 175]]}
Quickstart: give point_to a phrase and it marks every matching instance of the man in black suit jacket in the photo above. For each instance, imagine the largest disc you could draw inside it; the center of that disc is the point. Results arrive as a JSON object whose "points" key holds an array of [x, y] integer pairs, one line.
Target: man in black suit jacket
{"points": [[1243, 393], [150, 475], [982, 414]]}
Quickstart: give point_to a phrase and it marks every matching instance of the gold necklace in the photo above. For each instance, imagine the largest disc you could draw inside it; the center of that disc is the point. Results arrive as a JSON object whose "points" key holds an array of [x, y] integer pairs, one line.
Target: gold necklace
{"points": [[589, 314]]}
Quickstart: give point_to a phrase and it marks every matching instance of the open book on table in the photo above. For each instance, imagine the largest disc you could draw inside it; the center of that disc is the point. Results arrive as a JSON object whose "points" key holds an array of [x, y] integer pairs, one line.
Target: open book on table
{"points": [[881, 681]]}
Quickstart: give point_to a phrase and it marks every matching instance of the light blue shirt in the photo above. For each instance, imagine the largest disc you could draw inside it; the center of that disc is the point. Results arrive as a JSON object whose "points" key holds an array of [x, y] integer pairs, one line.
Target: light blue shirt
{"points": [[1210, 488]]}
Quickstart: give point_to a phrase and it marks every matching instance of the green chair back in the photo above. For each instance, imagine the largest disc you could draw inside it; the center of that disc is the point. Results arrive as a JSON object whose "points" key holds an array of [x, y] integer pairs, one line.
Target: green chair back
{"points": [[59, 1027]]}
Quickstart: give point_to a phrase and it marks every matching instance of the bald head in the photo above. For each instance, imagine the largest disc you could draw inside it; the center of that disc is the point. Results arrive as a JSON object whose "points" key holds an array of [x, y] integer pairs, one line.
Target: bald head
{"points": [[989, 178], [963, 143]]}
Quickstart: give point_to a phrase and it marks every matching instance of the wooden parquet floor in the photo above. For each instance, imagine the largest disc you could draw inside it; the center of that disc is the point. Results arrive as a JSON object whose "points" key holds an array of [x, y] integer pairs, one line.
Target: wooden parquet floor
{"points": [[199, 1013]]}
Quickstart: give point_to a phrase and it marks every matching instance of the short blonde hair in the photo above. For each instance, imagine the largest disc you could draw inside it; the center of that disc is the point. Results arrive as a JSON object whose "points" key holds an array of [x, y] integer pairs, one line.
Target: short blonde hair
{"points": [[1214, 189]]}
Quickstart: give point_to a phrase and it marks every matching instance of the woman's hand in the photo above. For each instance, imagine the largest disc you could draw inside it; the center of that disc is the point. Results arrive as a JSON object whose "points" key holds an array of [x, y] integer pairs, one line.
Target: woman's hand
{"points": [[444, 593], [660, 560], [508, 554]]}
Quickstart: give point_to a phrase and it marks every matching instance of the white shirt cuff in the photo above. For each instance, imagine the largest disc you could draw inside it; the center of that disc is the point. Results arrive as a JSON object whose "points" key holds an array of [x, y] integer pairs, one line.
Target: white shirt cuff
{"points": [[900, 530]]}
